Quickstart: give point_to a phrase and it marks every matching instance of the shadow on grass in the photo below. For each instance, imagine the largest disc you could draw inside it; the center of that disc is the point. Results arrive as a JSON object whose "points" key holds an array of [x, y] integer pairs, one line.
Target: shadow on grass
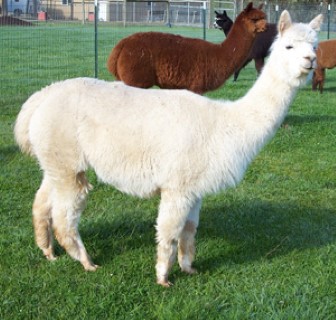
{"points": [[238, 233], [304, 119], [9, 152], [261, 230], [329, 89]]}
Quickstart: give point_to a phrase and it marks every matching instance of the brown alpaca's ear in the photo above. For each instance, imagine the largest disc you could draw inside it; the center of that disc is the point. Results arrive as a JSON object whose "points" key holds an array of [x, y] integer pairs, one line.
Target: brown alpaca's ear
{"points": [[316, 22], [249, 7], [285, 22], [260, 6]]}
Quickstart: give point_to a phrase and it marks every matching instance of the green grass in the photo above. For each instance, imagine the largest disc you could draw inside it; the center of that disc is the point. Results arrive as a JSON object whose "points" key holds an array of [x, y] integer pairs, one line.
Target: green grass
{"points": [[266, 250]]}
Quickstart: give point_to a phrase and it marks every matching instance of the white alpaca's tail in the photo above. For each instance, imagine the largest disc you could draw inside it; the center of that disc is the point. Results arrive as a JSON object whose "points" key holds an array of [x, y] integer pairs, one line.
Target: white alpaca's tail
{"points": [[21, 128]]}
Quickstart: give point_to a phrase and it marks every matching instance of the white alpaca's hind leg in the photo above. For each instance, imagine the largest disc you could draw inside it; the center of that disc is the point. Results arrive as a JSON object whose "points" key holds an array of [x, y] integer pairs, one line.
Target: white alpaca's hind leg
{"points": [[173, 213], [186, 243], [68, 204], [42, 219]]}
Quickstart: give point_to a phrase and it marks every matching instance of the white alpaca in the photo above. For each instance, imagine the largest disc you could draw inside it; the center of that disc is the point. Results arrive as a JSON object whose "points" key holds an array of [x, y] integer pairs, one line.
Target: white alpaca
{"points": [[143, 142]]}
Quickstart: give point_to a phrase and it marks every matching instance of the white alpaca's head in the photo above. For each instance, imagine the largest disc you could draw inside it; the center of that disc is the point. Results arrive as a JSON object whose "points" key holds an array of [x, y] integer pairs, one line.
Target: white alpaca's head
{"points": [[294, 49]]}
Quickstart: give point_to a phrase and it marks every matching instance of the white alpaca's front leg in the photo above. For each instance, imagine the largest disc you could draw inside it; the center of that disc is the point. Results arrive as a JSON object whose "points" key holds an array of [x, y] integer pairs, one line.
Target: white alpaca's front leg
{"points": [[173, 212], [186, 243], [166, 254]]}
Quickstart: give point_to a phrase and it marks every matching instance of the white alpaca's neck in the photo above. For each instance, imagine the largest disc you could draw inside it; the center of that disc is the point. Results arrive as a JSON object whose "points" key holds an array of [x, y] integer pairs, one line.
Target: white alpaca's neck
{"points": [[271, 95], [262, 110]]}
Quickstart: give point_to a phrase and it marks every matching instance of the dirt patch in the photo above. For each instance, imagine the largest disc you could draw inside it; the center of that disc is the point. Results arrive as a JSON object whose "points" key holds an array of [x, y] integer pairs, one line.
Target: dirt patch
{"points": [[11, 21]]}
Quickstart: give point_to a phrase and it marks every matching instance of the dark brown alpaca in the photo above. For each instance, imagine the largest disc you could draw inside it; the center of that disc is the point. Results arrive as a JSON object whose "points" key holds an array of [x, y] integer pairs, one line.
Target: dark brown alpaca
{"points": [[174, 62], [262, 44]]}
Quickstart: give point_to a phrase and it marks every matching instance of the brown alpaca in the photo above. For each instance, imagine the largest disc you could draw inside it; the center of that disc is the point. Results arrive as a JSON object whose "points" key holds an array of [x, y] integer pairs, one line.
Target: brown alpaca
{"points": [[261, 46], [325, 59], [174, 62]]}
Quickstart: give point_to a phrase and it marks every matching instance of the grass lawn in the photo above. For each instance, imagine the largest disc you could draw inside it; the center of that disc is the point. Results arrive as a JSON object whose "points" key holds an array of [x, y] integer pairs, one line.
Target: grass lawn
{"points": [[265, 250]]}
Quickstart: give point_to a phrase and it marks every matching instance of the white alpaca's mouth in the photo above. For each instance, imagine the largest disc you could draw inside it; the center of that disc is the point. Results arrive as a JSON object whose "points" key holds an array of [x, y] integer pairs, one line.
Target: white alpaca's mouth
{"points": [[310, 64], [309, 67], [306, 70]]}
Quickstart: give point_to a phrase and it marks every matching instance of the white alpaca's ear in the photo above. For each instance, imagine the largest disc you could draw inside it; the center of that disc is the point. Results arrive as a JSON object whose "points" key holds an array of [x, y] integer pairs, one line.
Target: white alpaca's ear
{"points": [[316, 22], [285, 22]]}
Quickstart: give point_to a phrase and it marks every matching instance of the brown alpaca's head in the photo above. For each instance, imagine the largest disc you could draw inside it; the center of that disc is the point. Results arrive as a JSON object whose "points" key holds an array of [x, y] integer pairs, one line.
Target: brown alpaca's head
{"points": [[253, 19]]}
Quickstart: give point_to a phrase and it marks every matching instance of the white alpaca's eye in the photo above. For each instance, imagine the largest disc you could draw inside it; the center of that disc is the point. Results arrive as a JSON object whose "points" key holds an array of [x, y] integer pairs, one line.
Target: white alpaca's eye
{"points": [[289, 47]]}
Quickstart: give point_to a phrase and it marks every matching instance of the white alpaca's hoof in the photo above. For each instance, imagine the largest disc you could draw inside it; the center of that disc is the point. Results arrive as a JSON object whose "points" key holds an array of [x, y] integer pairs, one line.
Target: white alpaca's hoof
{"points": [[189, 270], [91, 267], [48, 253], [164, 283], [51, 257]]}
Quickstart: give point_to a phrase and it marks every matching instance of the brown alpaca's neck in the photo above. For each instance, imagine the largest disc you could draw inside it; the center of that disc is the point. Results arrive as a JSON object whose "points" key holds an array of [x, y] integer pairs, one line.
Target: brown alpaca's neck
{"points": [[236, 48], [227, 57]]}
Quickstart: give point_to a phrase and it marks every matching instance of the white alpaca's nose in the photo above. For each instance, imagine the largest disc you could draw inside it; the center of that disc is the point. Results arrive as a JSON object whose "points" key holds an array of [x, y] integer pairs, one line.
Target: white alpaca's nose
{"points": [[311, 60]]}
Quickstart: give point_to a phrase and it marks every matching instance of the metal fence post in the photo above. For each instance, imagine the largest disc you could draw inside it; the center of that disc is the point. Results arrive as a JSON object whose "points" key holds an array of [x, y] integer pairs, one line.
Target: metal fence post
{"points": [[204, 20], [96, 10], [328, 19], [276, 13]]}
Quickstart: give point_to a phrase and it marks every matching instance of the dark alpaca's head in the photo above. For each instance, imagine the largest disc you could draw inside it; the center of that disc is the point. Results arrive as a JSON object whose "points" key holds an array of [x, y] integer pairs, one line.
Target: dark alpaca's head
{"points": [[223, 22], [253, 19]]}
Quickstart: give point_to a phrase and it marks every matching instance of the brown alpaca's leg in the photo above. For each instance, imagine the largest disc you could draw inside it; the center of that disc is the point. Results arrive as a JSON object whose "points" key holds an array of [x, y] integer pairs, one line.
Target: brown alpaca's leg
{"points": [[314, 81], [322, 80], [68, 203], [42, 219], [173, 213], [236, 74], [259, 64], [186, 243]]}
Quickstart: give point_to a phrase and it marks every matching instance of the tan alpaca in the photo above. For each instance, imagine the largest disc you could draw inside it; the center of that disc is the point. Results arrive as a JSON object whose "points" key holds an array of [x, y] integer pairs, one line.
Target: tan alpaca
{"points": [[325, 59]]}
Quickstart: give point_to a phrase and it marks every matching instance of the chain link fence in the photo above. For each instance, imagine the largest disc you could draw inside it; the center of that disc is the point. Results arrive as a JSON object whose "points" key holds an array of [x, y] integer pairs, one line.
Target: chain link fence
{"points": [[59, 40], [176, 12]]}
